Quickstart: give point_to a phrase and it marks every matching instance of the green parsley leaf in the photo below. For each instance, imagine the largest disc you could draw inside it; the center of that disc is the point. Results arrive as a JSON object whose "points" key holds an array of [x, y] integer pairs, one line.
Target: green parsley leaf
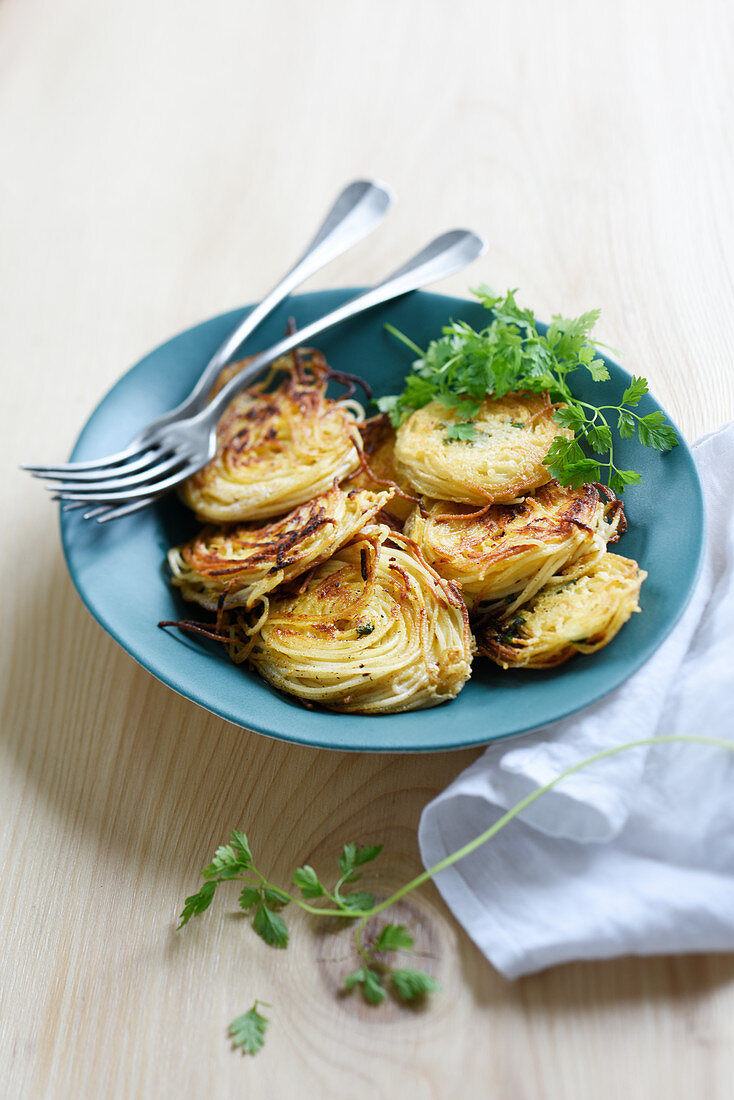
{"points": [[599, 438], [579, 473], [418, 392], [274, 897], [359, 899], [270, 927], [464, 407], [239, 842], [392, 937], [625, 424], [371, 983], [653, 431], [561, 454], [197, 903], [226, 864], [412, 985], [462, 430], [389, 405], [250, 896], [347, 858], [571, 416], [307, 880], [248, 1031], [367, 854], [598, 370], [352, 856], [621, 478], [635, 391], [488, 297]]}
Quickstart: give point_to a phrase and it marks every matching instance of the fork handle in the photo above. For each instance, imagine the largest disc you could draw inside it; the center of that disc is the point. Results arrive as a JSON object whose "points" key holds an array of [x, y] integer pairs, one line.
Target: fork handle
{"points": [[358, 210], [443, 256]]}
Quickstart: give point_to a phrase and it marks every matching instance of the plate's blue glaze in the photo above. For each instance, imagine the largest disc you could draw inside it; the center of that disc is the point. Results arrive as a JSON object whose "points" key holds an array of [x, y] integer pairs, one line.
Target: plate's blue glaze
{"points": [[119, 572]]}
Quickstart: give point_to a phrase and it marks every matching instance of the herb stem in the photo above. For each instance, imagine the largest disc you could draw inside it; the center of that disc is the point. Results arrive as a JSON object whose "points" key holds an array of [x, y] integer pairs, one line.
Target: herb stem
{"points": [[366, 955], [477, 842], [363, 915], [404, 339]]}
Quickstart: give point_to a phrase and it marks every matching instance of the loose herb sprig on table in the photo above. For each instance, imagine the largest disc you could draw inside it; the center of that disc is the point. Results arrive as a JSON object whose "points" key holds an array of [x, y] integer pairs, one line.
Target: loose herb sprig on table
{"points": [[233, 861], [463, 366]]}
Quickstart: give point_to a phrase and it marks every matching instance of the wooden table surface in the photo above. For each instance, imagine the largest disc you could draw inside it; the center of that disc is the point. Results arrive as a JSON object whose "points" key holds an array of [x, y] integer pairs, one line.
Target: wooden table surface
{"points": [[164, 162]]}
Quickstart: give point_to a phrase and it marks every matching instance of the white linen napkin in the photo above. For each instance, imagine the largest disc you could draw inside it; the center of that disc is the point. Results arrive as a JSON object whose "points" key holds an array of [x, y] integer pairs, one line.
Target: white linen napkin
{"points": [[633, 855]]}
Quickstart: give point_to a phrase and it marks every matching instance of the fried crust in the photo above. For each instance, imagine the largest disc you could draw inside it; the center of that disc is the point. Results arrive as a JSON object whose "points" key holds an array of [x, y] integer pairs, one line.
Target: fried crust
{"points": [[378, 471], [372, 631], [277, 449], [226, 567], [580, 616], [501, 464], [512, 550]]}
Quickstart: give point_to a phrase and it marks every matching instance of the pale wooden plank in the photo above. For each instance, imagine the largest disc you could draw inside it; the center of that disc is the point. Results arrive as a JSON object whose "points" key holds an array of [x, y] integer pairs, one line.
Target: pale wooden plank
{"points": [[163, 162]]}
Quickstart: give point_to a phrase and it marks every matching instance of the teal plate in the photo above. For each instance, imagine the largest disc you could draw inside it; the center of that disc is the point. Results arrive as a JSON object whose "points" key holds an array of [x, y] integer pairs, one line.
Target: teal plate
{"points": [[119, 568]]}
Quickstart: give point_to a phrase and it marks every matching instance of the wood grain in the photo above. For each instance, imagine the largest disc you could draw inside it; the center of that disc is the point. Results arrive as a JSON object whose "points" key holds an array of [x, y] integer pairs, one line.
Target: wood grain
{"points": [[164, 162]]}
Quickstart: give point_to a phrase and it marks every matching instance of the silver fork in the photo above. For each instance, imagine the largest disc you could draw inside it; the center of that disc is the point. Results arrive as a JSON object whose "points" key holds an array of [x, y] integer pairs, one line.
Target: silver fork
{"points": [[358, 210], [183, 447]]}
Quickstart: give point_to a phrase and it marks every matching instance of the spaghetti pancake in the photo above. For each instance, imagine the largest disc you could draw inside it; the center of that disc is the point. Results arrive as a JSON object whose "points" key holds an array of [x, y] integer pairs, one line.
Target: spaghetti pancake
{"points": [[226, 567], [378, 467], [580, 616], [374, 630], [514, 550], [277, 449], [503, 462]]}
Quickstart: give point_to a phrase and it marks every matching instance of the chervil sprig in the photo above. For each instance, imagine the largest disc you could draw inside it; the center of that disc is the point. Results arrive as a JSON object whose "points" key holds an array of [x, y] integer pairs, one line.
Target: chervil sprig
{"points": [[233, 862], [463, 366], [375, 975]]}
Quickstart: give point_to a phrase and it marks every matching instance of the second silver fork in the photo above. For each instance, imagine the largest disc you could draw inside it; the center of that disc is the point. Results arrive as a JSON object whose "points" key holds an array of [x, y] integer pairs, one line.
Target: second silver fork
{"points": [[357, 210]]}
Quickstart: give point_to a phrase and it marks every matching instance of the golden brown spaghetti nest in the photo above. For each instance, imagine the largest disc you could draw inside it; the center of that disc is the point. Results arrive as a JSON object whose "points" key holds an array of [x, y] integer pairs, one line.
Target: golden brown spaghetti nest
{"points": [[235, 566], [373, 630], [579, 616], [514, 550], [377, 470], [277, 448], [502, 463]]}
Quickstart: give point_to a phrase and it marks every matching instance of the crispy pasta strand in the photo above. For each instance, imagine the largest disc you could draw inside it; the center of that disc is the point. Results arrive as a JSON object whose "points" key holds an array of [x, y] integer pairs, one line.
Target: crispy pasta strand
{"points": [[374, 631]]}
